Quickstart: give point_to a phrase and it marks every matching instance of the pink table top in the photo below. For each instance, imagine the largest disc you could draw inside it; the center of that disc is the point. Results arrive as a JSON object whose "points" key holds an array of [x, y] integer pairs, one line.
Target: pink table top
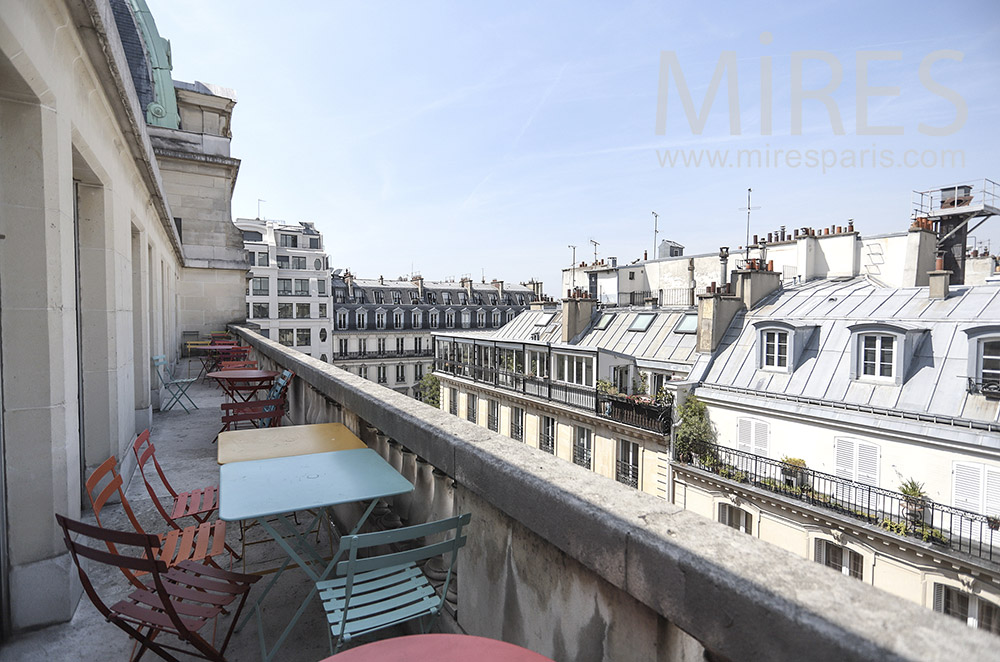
{"points": [[438, 648]]}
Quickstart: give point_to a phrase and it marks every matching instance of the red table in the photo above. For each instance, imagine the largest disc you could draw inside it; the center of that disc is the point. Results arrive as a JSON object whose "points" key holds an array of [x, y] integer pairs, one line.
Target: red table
{"points": [[243, 383], [438, 648]]}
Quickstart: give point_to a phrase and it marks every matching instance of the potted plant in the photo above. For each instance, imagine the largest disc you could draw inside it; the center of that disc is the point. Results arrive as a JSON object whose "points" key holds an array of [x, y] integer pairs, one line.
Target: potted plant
{"points": [[993, 522], [914, 499], [793, 471]]}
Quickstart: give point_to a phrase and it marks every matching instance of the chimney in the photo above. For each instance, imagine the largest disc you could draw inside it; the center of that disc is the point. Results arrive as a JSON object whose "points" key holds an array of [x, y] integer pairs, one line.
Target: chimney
{"points": [[419, 282], [381, 281], [691, 284], [499, 285], [349, 279], [753, 285], [645, 255], [715, 314], [724, 265], [939, 279], [467, 284], [577, 314], [613, 262]]}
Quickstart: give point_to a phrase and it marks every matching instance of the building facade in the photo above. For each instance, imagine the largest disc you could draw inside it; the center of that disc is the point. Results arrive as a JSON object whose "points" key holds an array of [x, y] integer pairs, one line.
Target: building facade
{"points": [[102, 257], [382, 329], [288, 291]]}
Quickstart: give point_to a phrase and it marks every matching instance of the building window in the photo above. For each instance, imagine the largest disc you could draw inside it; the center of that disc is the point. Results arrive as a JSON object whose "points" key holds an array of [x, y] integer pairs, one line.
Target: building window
{"points": [[261, 310], [342, 320], [317, 263], [283, 261], [362, 346], [379, 320], [574, 369], [462, 299], [989, 365], [284, 287], [877, 353], [302, 311], [510, 315], [286, 337], [302, 287], [400, 373], [493, 299], [314, 243], [252, 258], [735, 517], [496, 318], [339, 295], [493, 415], [775, 346], [342, 346], [839, 558], [361, 320], [975, 487], [449, 319], [284, 311], [627, 466], [250, 235], [363, 371], [397, 320], [583, 444], [631, 275], [446, 297], [453, 401], [265, 332], [379, 296], [434, 320], [418, 371], [321, 286], [418, 344], [547, 435], [417, 319], [642, 322], [399, 345], [752, 436], [976, 612], [303, 337], [382, 379], [322, 335], [261, 259], [471, 407], [605, 320], [322, 311], [397, 298], [856, 461], [289, 240], [517, 424], [260, 287], [466, 319], [298, 262], [380, 346], [322, 357]]}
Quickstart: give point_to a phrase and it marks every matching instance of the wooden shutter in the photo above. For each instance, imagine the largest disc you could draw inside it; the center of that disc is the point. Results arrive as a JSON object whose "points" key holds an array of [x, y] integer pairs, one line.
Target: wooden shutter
{"points": [[745, 436], [967, 486], [867, 467], [843, 451], [939, 598], [760, 434], [991, 495], [724, 513], [819, 553]]}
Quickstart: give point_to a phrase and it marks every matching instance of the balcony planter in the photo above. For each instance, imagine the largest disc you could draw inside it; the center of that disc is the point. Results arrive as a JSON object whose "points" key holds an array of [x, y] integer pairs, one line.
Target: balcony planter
{"points": [[914, 500], [793, 470], [993, 523]]}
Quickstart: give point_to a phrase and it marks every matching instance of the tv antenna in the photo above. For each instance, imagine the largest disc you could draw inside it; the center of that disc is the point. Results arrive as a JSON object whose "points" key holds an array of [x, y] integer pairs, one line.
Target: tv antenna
{"points": [[748, 209], [596, 244], [656, 231], [573, 266], [258, 207]]}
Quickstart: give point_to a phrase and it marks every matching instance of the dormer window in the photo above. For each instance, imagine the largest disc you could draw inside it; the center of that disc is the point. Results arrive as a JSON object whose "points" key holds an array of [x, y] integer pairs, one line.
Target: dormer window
{"points": [[881, 352], [984, 360], [775, 349], [781, 344]]}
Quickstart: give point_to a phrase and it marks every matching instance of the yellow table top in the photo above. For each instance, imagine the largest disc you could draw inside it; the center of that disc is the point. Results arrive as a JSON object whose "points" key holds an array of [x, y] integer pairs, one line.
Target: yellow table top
{"points": [[285, 441]]}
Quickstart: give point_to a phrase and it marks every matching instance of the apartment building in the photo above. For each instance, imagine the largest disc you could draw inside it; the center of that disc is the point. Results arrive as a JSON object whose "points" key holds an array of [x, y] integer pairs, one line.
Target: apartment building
{"points": [[856, 420], [115, 238], [382, 328], [288, 291]]}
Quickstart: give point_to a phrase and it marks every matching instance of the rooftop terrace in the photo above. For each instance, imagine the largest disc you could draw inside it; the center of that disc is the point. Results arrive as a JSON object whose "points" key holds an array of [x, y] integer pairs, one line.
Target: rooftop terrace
{"points": [[560, 560]]}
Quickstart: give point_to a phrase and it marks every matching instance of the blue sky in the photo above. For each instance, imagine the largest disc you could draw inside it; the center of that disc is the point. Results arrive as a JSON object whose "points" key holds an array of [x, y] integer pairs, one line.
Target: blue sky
{"points": [[453, 137]]}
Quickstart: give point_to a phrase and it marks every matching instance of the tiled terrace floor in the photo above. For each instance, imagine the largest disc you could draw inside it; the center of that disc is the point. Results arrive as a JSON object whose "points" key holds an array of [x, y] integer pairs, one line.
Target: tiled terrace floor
{"points": [[185, 449]]}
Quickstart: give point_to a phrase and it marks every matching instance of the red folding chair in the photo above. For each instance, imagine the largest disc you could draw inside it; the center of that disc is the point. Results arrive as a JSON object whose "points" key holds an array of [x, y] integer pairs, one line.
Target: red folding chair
{"points": [[178, 600], [199, 504]]}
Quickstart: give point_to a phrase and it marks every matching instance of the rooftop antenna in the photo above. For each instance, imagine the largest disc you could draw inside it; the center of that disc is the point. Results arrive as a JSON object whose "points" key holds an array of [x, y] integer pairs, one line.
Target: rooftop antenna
{"points": [[656, 231], [748, 209], [573, 265], [258, 207], [484, 274], [596, 244]]}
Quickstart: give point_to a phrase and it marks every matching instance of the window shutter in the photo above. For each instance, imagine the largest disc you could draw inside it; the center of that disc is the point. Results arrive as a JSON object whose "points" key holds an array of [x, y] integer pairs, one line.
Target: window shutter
{"points": [[724, 514], [820, 551], [968, 486], [844, 452], [939, 598], [745, 442], [991, 506], [747, 523], [867, 464], [760, 430]]}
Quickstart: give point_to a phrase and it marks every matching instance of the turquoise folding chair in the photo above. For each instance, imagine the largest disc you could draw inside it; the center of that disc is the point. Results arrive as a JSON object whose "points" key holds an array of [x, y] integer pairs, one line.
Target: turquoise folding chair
{"points": [[278, 391], [377, 592], [176, 388]]}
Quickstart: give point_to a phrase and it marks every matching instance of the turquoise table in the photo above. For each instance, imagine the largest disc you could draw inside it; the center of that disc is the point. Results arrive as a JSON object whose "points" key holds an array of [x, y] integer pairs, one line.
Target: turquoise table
{"points": [[270, 490]]}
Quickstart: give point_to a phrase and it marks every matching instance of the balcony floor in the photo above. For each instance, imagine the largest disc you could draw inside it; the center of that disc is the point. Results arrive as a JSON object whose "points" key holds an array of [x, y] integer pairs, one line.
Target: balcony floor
{"points": [[184, 447]]}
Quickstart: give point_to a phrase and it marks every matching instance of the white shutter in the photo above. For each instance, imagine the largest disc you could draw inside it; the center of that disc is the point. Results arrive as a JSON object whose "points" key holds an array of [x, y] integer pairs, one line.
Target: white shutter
{"points": [[760, 434], [991, 505], [820, 551], [843, 450], [744, 440], [968, 486], [939, 598], [724, 513], [867, 464]]}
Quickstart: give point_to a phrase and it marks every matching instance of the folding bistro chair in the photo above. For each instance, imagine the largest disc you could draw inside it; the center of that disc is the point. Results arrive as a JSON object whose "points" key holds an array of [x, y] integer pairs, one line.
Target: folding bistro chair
{"points": [[177, 388], [380, 591], [237, 365], [259, 413], [199, 504], [178, 601], [193, 543]]}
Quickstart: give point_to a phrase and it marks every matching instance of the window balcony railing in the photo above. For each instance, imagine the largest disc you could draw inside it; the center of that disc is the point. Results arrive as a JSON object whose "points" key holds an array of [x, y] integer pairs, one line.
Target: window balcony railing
{"points": [[627, 473], [935, 523], [535, 516], [629, 411], [991, 389], [406, 353]]}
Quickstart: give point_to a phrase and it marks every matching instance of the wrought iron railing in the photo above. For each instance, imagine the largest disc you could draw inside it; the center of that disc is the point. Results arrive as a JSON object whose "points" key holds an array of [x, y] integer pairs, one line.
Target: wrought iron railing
{"points": [[954, 528], [627, 473], [990, 389], [406, 353], [547, 442], [634, 411]]}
